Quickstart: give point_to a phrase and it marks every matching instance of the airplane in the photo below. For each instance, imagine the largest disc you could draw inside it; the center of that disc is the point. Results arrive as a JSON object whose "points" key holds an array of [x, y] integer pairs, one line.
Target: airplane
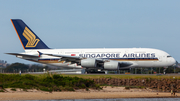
{"points": [[97, 58]]}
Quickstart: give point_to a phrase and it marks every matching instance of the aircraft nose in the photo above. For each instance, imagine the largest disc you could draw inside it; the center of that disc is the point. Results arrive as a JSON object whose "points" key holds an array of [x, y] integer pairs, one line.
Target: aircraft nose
{"points": [[173, 61]]}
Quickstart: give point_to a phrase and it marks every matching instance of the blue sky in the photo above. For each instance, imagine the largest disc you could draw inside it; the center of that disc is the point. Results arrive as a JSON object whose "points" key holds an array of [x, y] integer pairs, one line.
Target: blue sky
{"points": [[93, 24]]}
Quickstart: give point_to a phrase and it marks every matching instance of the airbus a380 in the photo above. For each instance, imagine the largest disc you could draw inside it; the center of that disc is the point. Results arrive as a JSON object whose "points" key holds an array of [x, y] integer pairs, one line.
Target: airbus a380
{"points": [[104, 58]]}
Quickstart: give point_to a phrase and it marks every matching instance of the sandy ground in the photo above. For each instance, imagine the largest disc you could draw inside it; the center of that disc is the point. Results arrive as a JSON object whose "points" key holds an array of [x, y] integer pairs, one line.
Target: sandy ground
{"points": [[107, 92]]}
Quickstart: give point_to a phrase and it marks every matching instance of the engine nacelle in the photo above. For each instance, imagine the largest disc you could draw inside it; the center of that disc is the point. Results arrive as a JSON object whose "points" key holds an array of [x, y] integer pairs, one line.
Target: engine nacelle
{"points": [[90, 63], [112, 65]]}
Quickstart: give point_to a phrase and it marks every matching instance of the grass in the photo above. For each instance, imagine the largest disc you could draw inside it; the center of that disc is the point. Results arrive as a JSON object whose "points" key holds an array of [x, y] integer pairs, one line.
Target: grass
{"points": [[45, 82], [121, 76], [129, 76]]}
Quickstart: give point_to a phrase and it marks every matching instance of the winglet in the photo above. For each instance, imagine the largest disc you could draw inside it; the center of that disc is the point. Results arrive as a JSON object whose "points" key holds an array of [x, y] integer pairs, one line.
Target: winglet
{"points": [[28, 38]]}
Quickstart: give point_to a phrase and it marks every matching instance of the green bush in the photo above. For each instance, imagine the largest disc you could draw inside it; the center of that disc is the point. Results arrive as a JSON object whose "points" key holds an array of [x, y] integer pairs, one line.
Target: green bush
{"points": [[46, 89], [13, 89], [1, 90], [29, 77], [67, 88], [1, 86], [45, 82]]}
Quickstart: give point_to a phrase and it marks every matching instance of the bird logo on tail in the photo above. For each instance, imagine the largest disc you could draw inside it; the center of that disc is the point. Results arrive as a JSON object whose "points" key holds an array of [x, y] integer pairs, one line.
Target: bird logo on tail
{"points": [[32, 41]]}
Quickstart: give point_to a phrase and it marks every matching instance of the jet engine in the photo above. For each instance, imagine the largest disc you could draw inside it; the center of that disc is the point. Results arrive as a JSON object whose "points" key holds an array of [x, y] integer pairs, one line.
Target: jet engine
{"points": [[89, 63], [112, 65]]}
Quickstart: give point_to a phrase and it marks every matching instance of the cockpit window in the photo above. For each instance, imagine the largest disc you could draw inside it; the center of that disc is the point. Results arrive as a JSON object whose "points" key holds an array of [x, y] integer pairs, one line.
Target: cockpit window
{"points": [[169, 56]]}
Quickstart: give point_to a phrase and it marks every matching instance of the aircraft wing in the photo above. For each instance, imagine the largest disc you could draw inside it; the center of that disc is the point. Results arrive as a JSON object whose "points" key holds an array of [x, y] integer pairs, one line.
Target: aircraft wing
{"points": [[67, 58], [21, 54], [73, 59], [77, 59], [64, 56]]}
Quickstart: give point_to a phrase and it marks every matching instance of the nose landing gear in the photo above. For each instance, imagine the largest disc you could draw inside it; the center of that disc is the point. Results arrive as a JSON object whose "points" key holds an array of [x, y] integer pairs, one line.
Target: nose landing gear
{"points": [[164, 71]]}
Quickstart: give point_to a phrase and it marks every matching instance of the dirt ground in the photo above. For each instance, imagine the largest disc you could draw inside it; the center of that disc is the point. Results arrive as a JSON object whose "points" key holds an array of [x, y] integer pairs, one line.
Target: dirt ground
{"points": [[107, 92]]}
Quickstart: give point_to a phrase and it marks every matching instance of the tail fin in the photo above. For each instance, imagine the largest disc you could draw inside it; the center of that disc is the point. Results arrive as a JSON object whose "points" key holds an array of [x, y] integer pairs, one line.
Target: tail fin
{"points": [[28, 38]]}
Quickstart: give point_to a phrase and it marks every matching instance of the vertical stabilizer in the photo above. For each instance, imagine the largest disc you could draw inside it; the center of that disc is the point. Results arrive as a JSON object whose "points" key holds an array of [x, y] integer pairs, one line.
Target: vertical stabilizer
{"points": [[28, 38]]}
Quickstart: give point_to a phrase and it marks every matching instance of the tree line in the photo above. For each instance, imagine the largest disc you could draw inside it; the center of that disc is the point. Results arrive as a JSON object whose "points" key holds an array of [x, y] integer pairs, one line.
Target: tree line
{"points": [[24, 68]]}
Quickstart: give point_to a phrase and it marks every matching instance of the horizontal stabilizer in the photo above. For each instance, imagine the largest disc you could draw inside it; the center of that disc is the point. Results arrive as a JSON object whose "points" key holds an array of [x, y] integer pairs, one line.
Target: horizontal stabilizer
{"points": [[19, 54]]}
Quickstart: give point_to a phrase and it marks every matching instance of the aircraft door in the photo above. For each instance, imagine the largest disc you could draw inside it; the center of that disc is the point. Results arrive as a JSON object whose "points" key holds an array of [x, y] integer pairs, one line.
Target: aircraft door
{"points": [[160, 58], [61, 52]]}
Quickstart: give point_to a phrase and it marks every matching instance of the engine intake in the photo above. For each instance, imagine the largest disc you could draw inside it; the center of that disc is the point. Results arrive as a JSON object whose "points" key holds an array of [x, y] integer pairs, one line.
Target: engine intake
{"points": [[112, 65], [90, 63]]}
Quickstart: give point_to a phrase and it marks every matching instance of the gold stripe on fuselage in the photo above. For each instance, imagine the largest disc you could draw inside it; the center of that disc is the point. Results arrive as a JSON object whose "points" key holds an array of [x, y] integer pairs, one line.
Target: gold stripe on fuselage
{"points": [[134, 59]]}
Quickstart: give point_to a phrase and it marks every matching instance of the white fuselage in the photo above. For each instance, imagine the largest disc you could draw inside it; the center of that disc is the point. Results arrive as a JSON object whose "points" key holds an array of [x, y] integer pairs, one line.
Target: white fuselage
{"points": [[139, 57], [108, 59]]}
